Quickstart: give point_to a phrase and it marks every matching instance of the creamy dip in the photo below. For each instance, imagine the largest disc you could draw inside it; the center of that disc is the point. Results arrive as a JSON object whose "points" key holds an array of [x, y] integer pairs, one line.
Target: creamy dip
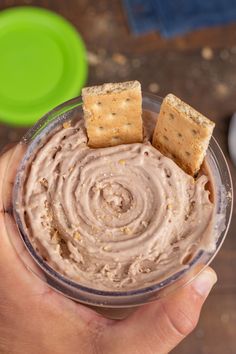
{"points": [[115, 218]]}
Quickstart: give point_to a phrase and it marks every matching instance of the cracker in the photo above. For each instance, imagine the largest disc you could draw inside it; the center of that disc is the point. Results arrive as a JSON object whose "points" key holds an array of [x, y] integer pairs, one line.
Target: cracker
{"points": [[182, 133], [113, 114]]}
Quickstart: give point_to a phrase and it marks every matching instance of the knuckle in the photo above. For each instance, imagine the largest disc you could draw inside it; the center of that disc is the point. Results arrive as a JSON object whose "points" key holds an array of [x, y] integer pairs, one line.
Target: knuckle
{"points": [[181, 322], [186, 324]]}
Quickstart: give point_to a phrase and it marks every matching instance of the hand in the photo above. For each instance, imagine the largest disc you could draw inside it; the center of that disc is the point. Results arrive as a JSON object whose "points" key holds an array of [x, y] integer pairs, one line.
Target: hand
{"points": [[36, 319]]}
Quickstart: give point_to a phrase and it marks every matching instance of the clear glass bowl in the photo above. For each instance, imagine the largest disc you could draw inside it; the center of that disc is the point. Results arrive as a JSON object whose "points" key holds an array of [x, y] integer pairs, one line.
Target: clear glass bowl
{"points": [[120, 299]]}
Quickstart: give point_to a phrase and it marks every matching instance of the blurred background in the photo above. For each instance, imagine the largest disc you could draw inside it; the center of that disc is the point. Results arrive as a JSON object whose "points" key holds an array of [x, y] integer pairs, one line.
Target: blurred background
{"points": [[184, 47]]}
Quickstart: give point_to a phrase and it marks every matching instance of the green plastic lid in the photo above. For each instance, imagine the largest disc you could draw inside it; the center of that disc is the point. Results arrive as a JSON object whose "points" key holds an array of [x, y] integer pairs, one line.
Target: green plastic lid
{"points": [[42, 63]]}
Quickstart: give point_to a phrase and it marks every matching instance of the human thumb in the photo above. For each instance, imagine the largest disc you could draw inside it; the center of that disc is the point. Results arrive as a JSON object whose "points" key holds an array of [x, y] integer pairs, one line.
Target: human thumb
{"points": [[158, 327]]}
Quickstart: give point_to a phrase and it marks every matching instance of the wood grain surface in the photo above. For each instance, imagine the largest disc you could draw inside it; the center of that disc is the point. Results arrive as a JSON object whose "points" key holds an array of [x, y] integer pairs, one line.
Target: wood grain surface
{"points": [[201, 69]]}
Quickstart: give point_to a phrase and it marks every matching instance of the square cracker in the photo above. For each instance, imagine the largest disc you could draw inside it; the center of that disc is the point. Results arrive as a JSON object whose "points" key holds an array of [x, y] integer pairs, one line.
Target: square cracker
{"points": [[113, 114], [182, 133]]}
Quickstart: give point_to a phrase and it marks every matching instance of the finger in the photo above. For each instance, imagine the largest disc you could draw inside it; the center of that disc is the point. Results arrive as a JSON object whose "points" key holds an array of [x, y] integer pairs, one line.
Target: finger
{"points": [[22, 284], [160, 326], [4, 160], [14, 257], [9, 163], [14, 248], [12, 269], [14, 276], [7, 147], [12, 251]]}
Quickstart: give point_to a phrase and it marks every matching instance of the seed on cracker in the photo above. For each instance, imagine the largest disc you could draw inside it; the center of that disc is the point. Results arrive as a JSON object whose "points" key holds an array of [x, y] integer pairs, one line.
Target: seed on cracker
{"points": [[182, 133], [113, 114]]}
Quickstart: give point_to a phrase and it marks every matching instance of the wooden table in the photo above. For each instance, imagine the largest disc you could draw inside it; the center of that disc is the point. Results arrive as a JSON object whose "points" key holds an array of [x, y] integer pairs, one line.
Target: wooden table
{"points": [[206, 78]]}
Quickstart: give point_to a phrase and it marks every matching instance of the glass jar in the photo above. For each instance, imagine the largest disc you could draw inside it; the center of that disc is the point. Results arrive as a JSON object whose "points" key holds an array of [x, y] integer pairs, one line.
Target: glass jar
{"points": [[111, 303]]}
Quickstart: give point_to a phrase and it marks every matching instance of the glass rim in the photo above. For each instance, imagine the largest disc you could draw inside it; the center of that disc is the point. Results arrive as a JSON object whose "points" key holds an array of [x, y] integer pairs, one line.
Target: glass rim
{"points": [[29, 140]]}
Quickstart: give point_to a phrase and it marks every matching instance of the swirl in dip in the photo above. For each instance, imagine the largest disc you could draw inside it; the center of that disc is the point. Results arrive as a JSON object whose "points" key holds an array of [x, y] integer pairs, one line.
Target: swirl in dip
{"points": [[115, 218]]}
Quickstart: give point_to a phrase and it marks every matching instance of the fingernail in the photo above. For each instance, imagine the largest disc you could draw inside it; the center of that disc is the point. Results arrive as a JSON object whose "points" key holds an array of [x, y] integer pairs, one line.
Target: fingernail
{"points": [[204, 282]]}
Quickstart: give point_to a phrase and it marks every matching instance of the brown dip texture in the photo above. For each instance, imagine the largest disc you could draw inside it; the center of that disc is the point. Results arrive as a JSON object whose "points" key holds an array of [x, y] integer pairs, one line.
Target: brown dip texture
{"points": [[117, 218]]}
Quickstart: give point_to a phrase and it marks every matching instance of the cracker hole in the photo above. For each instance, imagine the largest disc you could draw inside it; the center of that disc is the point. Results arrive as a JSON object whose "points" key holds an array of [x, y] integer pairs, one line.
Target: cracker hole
{"points": [[146, 153], [116, 140], [180, 135], [167, 172], [99, 103], [171, 116], [187, 153], [127, 99], [113, 113], [165, 129], [165, 137], [194, 131]]}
